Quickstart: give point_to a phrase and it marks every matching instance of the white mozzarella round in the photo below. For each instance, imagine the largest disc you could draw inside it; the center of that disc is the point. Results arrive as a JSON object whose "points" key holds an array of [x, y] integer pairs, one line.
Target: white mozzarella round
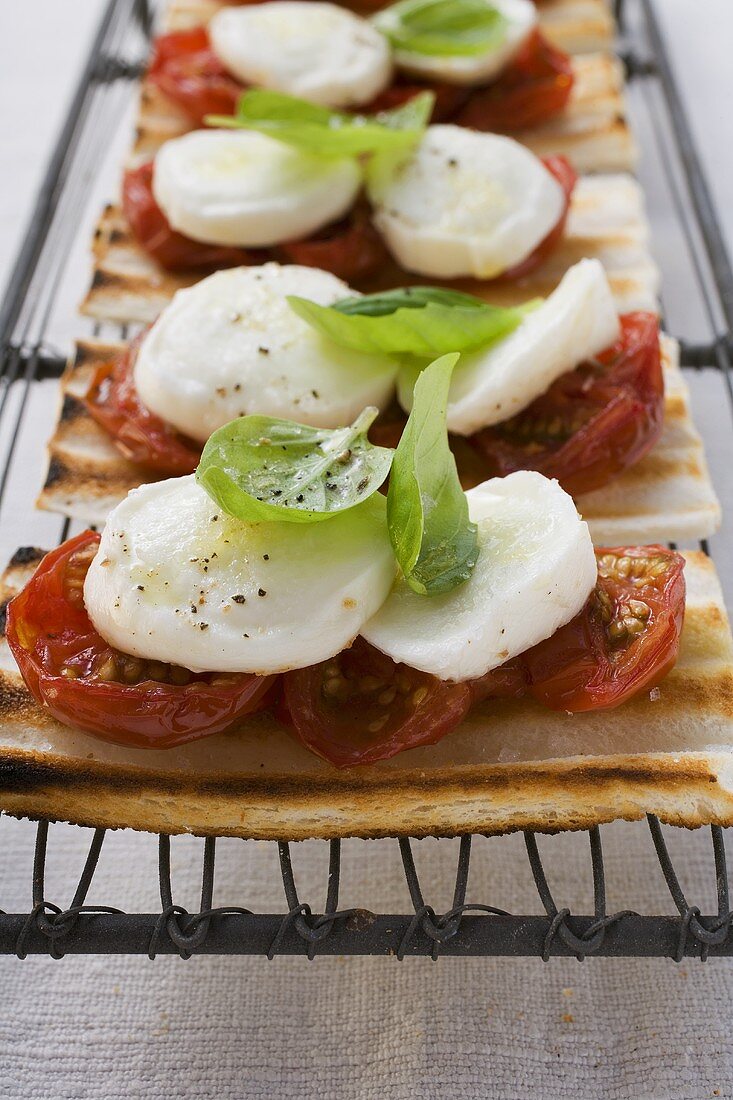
{"points": [[231, 345], [175, 579], [521, 19], [576, 322], [238, 187], [465, 204], [316, 51], [536, 568]]}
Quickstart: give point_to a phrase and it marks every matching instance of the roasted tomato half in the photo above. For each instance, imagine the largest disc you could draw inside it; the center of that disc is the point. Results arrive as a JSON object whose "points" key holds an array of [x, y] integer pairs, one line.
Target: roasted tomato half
{"points": [[593, 422], [143, 437], [84, 682], [351, 248], [624, 641], [361, 707], [534, 87], [186, 69]]}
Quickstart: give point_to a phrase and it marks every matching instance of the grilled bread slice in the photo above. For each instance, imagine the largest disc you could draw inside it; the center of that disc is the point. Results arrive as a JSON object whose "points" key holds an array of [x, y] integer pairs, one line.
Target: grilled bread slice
{"points": [[667, 495], [576, 26], [606, 221], [591, 132], [509, 766]]}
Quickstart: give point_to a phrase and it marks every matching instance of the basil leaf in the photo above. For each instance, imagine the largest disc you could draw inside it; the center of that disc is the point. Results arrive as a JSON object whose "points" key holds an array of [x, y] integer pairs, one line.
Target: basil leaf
{"points": [[420, 320], [260, 469], [443, 28], [433, 539], [329, 133]]}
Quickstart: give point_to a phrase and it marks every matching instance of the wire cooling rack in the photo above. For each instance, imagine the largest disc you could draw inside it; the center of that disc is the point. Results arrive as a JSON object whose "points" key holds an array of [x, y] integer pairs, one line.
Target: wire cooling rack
{"points": [[680, 202]]}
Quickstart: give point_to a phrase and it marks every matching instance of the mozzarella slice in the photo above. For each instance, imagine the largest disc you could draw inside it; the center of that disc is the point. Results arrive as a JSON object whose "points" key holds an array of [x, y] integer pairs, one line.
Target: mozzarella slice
{"points": [[576, 322], [536, 568], [238, 187], [317, 51], [465, 204], [521, 19], [175, 579], [231, 345]]}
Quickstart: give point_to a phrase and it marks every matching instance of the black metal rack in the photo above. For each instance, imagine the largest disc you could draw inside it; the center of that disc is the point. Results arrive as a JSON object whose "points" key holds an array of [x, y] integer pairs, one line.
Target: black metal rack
{"points": [[467, 928]]}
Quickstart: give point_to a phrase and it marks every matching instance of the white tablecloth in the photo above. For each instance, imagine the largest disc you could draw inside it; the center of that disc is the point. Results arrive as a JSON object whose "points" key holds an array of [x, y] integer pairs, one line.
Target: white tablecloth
{"points": [[368, 1029]]}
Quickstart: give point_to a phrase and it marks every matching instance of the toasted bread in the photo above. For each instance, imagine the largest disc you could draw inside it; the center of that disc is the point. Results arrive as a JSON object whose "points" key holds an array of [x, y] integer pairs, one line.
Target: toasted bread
{"points": [[508, 766], [591, 132], [606, 221], [576, 26]]}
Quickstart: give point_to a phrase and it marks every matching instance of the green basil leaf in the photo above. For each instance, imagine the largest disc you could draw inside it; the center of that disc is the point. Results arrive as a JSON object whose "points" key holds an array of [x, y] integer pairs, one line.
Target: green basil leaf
{"points": [[420, 320], [433, 539], [259, 468], [443, 28], [329, 133]]}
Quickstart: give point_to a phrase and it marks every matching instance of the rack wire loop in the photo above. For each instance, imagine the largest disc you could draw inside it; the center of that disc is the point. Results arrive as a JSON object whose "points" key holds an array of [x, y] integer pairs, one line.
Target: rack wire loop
{"points": [[717, 930]]}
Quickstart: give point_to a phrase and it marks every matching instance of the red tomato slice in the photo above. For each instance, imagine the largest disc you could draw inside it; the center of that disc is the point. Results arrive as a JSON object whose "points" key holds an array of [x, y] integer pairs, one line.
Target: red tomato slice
{"points": [[187, 70], [594, 422], [361, 707], [536, 86], [509, 681], [351, 248], [170, 249], [143, 437], [449, 98], [84, 682], [624, 641]]}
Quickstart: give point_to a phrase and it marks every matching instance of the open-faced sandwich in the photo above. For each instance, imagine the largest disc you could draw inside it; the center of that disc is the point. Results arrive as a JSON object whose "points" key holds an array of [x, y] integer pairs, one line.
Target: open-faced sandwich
{"points": [[375, 200], [277, 606], [563, 386], [575, 26], [488, 65]]}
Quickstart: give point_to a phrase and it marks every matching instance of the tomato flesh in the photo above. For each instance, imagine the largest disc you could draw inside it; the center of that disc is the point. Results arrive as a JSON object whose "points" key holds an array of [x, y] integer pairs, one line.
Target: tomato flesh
{"points": [[351, 248], [143, 437], [360, 707], [532, 88], [624, 641], [84, 682], [186, 69], [592, 423]]}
